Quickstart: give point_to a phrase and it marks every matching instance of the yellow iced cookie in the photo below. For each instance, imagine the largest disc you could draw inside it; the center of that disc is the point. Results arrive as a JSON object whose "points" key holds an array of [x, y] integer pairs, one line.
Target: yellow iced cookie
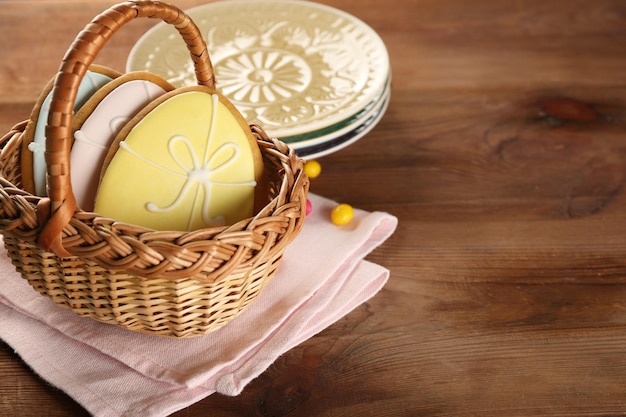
{"points": [[188, 161]]}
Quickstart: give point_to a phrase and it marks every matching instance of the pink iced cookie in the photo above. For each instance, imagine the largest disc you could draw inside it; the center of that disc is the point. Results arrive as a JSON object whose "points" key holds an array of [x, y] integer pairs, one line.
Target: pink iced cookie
{"points": [[104, 116]]}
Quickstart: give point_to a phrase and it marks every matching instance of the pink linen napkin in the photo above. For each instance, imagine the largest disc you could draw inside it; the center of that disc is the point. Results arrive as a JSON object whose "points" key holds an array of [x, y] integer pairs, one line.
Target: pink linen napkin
{"points": [[115, 372]]}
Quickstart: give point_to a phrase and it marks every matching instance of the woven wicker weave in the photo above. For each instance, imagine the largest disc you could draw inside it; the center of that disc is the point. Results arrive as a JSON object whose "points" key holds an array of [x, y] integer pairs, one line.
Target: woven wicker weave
{"points": [[179, 284]]}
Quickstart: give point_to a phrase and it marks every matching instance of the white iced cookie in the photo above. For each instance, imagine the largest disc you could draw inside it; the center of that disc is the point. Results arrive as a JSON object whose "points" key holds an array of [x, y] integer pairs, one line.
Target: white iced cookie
{"points": [[188, 161], [99, 121]]}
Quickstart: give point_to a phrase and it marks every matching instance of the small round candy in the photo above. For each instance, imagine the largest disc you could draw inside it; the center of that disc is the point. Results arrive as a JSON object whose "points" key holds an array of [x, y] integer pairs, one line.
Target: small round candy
{"points": [[309, 207], [312, 169], [342, 214]]}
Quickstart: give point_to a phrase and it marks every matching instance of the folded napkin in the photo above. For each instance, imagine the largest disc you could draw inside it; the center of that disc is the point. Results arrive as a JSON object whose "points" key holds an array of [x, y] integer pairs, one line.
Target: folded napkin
{"points": [[115, 372]]}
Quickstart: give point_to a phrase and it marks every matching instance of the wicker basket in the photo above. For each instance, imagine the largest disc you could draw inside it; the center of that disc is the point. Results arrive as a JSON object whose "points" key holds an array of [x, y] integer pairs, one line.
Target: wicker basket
{"points": [[178, 284]]}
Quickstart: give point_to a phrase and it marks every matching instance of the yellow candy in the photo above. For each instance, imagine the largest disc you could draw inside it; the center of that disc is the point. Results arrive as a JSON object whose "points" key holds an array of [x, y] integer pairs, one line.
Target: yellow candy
{"points": [[312, 169], [342, 214]]}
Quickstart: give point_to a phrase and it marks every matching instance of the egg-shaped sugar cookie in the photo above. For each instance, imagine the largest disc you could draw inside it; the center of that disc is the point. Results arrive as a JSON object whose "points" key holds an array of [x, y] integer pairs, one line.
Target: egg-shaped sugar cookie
{"points": [[97, 123], [34, 140], [188, 161]]}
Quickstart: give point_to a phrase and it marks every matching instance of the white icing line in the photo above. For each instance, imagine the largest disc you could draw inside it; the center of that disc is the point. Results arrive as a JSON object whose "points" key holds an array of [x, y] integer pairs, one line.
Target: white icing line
{"points": [[36, 147], [116, 122], [128, 149], [215, 102], [79, 136]]}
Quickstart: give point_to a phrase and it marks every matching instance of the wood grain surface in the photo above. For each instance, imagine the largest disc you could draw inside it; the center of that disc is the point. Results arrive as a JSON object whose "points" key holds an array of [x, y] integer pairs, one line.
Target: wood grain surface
{"points": [[502, 153]]}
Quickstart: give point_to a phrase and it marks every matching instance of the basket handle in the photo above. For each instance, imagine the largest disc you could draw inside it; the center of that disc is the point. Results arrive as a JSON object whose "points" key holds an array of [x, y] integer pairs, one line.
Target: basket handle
{"points": [[55, 211]]}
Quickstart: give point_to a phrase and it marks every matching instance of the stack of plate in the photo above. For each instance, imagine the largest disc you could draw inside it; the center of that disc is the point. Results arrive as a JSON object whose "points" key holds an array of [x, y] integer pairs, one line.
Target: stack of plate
{"points": [[313, 76]]}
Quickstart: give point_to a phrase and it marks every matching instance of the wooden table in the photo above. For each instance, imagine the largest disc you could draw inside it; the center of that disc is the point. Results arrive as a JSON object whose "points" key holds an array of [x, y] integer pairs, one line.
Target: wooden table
{"points": [[502, 153]]}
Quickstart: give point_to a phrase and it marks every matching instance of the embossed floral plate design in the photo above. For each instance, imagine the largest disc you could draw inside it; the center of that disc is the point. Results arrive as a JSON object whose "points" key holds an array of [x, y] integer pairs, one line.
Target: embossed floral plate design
{"points": [[301, 70]]}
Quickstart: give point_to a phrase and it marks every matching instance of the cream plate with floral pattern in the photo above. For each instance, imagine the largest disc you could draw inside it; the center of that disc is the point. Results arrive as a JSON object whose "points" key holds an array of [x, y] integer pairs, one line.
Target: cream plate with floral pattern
{"points": [[293, 67]]}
